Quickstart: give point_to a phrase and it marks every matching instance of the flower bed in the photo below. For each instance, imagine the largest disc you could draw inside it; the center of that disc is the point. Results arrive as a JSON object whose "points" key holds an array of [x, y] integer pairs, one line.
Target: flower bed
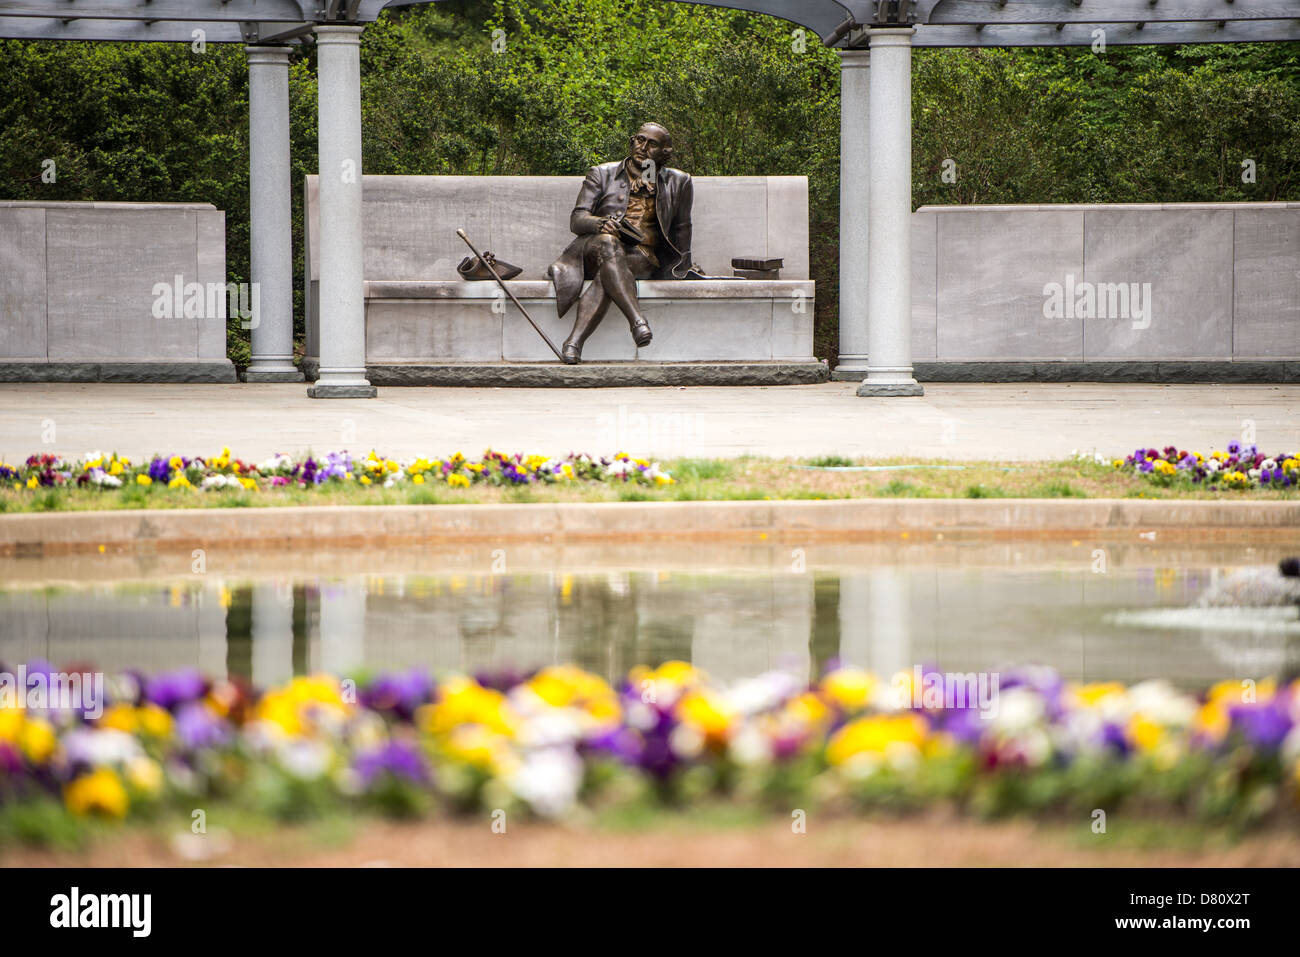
{"points": [[219, 472], [1239, 467], [548, 742]]}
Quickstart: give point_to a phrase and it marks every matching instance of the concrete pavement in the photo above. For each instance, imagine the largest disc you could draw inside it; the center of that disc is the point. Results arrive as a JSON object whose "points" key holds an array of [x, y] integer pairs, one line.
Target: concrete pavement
{"points": [[1005, 421]]}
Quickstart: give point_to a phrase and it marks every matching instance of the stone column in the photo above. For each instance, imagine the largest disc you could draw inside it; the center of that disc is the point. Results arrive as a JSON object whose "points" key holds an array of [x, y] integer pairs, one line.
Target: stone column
{"points": [[342, 309], [270, 232], [889, 234], [855, 171]]}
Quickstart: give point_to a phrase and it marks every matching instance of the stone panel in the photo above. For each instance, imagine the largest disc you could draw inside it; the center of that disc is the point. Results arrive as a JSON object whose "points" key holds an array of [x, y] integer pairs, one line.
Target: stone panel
{"points": [[707, 329], [102, 267], [1266, 285], [993, 267], [425, 329], [1186, 257], [211, 258], [787, 224], [925, 314], [22, 283]]}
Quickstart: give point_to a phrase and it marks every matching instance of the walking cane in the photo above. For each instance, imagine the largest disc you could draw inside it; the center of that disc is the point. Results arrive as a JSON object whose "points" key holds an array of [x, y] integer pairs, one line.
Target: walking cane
{"points": [[501, 282]]}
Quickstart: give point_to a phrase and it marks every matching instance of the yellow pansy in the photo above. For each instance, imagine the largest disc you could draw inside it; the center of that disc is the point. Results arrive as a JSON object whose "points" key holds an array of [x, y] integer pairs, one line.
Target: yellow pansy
{"points": [[873, 735], [463, 701], [1145, 733], [709, 713], [479, 747], [1091, 695], [37, 740], [143, 479], [100, 792], [145, 774], [850, 688]]}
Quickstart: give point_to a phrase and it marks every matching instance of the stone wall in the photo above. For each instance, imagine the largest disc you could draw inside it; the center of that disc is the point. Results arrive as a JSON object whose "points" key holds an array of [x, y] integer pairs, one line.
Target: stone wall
{"points": [[78, 298], [1218, 286]]}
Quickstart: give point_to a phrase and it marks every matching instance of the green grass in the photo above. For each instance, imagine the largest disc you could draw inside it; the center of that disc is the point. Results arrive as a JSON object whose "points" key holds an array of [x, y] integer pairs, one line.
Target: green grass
{"points": [[1057, 488], [831, 462], [984, 491]]}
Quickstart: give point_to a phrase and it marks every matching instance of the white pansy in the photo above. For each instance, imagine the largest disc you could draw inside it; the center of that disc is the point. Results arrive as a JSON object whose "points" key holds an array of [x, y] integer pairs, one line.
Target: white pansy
{"points": [[276, 462], [686, 742], [101, 746], [763, 692], [751, 746], [554, 726], [1018, 708], [305, 758], [1162, 703], [548, 780]]}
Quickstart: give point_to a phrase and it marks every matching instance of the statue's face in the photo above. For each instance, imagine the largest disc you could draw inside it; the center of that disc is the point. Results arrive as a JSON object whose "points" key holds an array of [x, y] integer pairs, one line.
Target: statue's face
{"points": [[651, 143]]}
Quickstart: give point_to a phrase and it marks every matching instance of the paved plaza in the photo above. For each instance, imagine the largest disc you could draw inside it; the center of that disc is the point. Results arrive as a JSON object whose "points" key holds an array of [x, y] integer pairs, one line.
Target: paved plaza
{"points": [[960, 421]]}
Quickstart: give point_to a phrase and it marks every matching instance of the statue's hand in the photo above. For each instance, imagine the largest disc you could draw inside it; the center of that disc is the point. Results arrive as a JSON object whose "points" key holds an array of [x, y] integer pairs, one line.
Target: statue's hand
{"points": [[607, 225]]}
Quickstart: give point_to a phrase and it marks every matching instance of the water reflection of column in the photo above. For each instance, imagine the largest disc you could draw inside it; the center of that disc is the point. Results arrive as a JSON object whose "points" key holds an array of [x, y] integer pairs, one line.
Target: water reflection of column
{"points": [[889, 633], [211, 626], [855, 621], [874, 625], [342, 626], [272, 634]]}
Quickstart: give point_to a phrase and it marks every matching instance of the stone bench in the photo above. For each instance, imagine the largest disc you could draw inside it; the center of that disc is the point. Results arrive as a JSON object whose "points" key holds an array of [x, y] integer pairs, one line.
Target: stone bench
{"points": [[425, 325]]}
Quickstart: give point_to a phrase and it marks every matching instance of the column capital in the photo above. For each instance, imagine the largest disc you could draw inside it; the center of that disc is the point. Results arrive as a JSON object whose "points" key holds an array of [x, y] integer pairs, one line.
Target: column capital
{"points": [[855, 58], [267, 55], [337, 33], [891, 36]]}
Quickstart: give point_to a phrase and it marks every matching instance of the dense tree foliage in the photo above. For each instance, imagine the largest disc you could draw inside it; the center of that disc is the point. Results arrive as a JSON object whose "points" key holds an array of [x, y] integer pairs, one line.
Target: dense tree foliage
{"points": [[551, 86]]}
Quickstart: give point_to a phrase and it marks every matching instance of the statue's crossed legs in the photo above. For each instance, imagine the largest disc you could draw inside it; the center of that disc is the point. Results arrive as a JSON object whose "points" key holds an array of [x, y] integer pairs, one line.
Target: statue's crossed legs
{"points": [[615, 268]]}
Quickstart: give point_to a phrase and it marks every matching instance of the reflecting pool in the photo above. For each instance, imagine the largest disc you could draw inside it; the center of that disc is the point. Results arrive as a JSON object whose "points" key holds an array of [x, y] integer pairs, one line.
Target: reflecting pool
{"points": [[1091, 612]]}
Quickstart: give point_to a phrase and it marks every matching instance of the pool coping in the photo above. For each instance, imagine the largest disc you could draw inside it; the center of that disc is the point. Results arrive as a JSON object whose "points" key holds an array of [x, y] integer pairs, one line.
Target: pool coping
{"points": [[839, 520]]}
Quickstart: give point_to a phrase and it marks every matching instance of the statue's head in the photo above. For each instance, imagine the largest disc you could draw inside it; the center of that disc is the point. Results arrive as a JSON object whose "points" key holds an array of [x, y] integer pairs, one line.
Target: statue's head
{"points": [[652, 143]]}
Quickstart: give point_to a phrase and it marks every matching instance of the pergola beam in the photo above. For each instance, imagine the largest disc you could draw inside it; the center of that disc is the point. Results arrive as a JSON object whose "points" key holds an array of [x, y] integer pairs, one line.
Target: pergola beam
{"points": [[232, 11], [992, 12], [1116, 34], [136, 31]]}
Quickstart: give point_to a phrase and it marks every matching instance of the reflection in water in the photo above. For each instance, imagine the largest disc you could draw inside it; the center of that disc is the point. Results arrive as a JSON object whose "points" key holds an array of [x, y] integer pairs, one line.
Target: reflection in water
{"points": [[1122, 625]]}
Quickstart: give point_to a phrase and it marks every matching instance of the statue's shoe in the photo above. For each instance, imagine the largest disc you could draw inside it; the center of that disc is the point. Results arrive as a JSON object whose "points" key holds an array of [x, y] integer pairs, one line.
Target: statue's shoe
{"points": [[570, 354], [641, 334]]}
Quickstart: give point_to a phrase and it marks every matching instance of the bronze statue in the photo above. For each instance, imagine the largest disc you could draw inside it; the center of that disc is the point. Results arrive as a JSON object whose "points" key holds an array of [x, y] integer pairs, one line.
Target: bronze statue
{"points": [[633, 221]]}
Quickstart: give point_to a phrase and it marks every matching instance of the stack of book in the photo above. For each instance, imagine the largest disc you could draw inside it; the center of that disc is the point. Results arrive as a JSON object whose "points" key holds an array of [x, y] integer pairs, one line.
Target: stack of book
{"points": [[749, 268]]}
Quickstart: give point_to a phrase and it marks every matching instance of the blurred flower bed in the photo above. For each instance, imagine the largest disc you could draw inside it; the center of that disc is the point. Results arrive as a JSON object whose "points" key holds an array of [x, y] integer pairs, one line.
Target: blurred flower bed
{"points": [[1238, 467], [220, 472], [561, 742]]}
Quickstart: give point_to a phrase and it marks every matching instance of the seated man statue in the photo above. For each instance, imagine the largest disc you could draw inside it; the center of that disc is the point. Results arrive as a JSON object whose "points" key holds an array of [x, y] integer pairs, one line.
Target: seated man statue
{"points": [[642, 192]]}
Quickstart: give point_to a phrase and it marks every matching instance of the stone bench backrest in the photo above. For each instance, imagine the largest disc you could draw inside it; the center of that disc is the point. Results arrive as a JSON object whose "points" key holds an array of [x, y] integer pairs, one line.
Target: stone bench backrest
{"points": [[411, 222]]}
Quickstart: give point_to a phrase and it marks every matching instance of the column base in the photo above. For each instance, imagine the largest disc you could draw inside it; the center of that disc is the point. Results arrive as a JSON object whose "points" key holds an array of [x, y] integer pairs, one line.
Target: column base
{"points": [[849, 372], [272, 375], [326, 391], [869, 388]]}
